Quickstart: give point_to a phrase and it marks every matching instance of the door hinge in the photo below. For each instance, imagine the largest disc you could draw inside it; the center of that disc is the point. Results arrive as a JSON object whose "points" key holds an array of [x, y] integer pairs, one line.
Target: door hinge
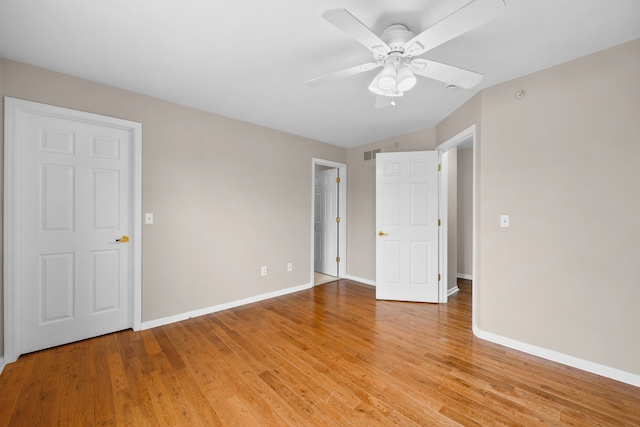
{"points": [[438, 277], [439, 167], [338, 180], [337, 219], [337, 259], [439, 222]]}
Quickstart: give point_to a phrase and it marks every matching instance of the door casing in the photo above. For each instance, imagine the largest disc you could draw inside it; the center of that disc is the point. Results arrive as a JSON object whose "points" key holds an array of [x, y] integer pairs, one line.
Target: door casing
{"points": [[13, 110]]}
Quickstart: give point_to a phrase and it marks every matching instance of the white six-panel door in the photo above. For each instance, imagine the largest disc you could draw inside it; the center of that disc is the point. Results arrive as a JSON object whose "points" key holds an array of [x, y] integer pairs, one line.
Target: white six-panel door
{"points": [[326, 227], [407, 226], [74, 203]]}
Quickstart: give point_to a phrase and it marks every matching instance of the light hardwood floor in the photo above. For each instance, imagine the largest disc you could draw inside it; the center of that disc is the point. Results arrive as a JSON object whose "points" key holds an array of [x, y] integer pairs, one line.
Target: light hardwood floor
{"points": [[331, 355]]}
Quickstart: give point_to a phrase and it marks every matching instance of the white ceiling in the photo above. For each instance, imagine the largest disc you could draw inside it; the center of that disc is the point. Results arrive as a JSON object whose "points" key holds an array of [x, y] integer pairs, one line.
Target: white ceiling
{"points": [[249, 59]]}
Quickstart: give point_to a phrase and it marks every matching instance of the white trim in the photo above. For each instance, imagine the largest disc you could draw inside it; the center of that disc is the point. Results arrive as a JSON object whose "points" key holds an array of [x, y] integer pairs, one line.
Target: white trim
{"points": [[136, 223], [443, 230], [13, 111], [453, 291], [565, 359], [465, 276], [361, 280], [11, 223], [2, 365], [342, 225], [225, 306]]}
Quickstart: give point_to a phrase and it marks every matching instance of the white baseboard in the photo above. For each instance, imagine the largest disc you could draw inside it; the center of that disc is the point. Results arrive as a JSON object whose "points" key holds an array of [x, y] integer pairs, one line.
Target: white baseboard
{"points": [[208, 310], [1, 364], [464, 276], [361, 280], [453, 291], [574, 362]]}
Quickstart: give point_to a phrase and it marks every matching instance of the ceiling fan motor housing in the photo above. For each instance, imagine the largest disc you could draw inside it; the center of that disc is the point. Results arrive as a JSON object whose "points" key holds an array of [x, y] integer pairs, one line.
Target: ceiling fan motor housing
{"points": [[397, 36]]}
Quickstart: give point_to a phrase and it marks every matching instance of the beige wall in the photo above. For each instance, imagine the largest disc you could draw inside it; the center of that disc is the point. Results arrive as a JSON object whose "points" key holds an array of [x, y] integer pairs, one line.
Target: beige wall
{"points": [[465, 212], [361, 203], [563, 163], [227, 196]]}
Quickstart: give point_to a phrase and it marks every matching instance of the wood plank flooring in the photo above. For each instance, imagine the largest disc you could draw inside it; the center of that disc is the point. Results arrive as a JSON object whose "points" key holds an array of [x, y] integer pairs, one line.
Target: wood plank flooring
{"points": [[331, 355]]}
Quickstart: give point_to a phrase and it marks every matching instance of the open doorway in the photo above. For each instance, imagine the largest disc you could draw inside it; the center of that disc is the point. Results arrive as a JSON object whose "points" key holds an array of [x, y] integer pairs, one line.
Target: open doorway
{"points": [[458, 155], [328, 249]]}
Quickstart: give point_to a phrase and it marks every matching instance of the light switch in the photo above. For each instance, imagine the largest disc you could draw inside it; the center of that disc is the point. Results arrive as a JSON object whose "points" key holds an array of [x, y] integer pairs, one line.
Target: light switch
{"points": [[504, 221], [148, 218]]}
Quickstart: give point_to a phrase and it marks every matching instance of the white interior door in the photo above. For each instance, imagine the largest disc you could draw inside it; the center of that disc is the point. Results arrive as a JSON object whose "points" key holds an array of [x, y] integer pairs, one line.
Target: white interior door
{"points": [[326, 226], [407, 226], [74, 202]]}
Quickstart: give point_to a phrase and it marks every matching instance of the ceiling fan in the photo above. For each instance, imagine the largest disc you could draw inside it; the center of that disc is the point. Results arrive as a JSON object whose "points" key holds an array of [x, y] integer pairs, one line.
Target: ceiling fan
{"points": [[397, 50]]}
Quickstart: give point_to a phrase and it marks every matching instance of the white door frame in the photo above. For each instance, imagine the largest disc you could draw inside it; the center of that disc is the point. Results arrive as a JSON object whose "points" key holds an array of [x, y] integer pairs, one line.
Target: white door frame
{"points": [[342, 225], [466, 135], [12, 239]]}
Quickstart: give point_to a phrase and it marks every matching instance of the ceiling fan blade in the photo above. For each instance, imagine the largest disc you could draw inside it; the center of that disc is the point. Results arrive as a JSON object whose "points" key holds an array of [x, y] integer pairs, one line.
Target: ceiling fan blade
{"points": [[342, 73], [465, 19], [348, 23], [448, 74]]}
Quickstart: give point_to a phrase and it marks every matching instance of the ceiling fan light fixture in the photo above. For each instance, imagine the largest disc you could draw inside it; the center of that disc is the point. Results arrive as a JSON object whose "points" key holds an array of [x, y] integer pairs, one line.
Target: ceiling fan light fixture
{"points": [[406, 79], [387, 79], [373, 87]]}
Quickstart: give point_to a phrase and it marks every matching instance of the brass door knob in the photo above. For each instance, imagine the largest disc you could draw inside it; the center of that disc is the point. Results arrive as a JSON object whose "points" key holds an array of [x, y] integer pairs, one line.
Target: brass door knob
{"points": [[380, 233], [123, 239]]}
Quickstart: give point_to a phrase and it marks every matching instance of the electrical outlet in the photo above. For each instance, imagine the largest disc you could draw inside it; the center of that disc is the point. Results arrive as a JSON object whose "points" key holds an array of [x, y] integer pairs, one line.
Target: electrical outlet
{"points": [[290, 266], [263, 270], [148, 218]]}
